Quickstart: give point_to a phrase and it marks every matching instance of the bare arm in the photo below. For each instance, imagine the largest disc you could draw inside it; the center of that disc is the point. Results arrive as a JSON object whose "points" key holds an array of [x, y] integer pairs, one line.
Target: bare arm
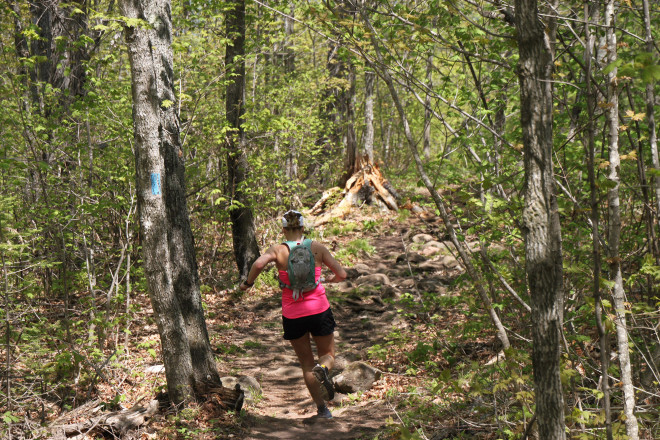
{"points": [[333, 265], [258, 266]]}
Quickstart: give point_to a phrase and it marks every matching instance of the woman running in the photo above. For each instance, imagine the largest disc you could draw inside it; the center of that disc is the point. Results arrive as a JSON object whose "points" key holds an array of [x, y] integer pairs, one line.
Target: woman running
{"points": [[307, 311]]}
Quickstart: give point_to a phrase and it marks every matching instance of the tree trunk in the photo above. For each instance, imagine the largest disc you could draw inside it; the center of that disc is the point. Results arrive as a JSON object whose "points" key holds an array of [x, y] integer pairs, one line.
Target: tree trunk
{"points": [[182, 246], [79, 52], [590, 144], [426, 151], [150, 55], [246, 249], [291, 164], [369, 79], [22, 51], [331, 113], [340, 94], [614, 236], [650, 112], [541, 225], [42, 16], [347, 116], [63, 65], [289, 52]]}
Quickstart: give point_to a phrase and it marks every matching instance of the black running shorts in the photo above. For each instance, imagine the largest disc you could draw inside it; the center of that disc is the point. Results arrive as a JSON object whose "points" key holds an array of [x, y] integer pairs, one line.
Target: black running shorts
{"points": [[321, 324]]}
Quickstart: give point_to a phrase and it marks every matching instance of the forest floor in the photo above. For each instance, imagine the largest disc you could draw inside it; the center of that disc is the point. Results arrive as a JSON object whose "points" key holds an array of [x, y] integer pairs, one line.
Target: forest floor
{"points": [[401, 310], [249, 341], [407, 308]]}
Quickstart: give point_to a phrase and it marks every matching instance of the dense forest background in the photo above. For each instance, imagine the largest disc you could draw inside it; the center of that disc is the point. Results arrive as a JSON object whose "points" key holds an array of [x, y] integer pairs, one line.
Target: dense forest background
{"points": [[434, 91]]}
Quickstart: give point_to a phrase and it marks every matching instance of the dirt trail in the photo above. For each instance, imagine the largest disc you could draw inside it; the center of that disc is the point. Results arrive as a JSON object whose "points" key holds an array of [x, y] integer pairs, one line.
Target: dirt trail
{"points": [[284, 409]]}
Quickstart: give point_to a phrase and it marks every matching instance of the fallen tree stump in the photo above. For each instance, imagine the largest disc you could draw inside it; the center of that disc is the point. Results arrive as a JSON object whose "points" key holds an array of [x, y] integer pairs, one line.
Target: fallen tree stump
{"points": [[365, 186]]}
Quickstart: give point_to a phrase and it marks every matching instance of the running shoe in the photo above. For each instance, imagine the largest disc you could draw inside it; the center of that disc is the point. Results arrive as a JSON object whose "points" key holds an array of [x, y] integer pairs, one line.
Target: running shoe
{"points": [[323, 412], [326, 386]]}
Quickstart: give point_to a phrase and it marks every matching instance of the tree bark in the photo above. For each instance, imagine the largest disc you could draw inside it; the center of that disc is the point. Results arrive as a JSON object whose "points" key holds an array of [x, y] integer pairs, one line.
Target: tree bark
{"points": [[246, 249], [182, 246], [590, 144], [291, 166], [614, 235], [22, 50], [63, 64], [369, 79], [541, 225], [426, 151], [650, 110], [347, 115], [340, 95], [167, 243]]}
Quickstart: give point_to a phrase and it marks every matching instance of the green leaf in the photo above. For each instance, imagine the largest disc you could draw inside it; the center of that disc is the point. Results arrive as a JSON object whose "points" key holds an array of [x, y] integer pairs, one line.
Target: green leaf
{"points": [[610, 67], [644, 58], [650, 73], [8, 418]]}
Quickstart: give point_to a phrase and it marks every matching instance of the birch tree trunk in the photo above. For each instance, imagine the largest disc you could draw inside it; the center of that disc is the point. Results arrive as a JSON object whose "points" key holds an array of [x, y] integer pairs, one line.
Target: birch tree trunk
{"points": [[614, 236], [246, 249], [541, 225], [369, 79], [650, 111], [590, 143], [426, 151]]}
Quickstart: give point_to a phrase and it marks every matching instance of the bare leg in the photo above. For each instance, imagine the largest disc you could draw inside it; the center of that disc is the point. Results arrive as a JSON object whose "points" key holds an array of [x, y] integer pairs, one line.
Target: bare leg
{"points": [[303, 348], [325, 346]]}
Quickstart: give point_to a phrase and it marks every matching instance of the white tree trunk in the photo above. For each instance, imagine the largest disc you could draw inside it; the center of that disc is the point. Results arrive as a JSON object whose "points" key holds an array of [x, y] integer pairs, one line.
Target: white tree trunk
{"points": [[369, 79], [590, 146], [618, 294], [426, 151], [650, 113]]}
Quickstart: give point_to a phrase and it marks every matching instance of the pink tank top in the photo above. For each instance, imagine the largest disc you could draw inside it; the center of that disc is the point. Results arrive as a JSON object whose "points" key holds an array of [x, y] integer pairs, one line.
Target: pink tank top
{"points": [[312, 302]]}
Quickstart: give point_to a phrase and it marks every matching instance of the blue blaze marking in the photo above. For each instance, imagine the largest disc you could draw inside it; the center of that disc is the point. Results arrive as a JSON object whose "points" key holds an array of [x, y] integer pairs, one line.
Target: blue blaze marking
{"points": [[155, 184]]}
